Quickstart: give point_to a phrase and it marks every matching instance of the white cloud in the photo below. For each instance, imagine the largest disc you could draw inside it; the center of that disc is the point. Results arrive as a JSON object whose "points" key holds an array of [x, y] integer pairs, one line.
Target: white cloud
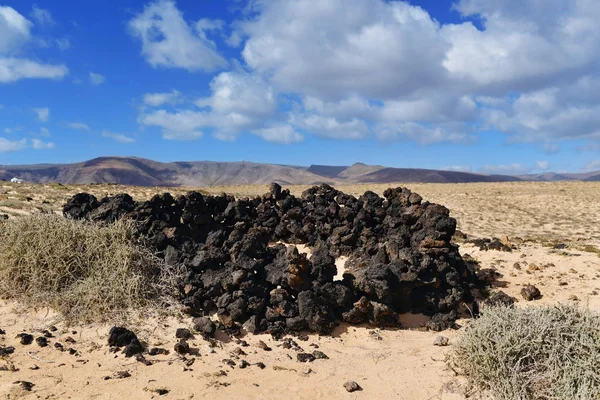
{"points": [[592, 166], [96, 79], [239, 102], [352, 70], [40, 145], [63, 44], [15, 33], [9, 145], [43, 114], [333, 49], [542, 165], [158, 99], [14, 69], [8, 130], [169, 41], [42, 17], [505, 169], [44, 132], [284, 134], [14, 30], [457, 168], [118, 137], [79, 126]]}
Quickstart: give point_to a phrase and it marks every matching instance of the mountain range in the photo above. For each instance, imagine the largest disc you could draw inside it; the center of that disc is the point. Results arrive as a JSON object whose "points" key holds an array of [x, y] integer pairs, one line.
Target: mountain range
{"points": [[144, 172]]}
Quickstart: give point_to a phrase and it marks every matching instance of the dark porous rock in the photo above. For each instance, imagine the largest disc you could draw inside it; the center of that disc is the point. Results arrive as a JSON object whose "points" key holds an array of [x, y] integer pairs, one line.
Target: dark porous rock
{"points": [[183, 333], [182, 347], [530, 292], [119, 336], [25, 338], [134, 347], [41, 341], [2, 332], [25, 385], [240, 260], [352, 386], [305, 357], [500, 298], [158, 351], [440, 322], [319, 355], [5, 351]]}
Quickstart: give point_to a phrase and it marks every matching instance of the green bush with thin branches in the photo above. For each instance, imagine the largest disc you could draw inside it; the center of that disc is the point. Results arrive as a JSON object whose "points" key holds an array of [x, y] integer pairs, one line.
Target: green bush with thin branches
{"points": [[87, 272], [549, 352]]}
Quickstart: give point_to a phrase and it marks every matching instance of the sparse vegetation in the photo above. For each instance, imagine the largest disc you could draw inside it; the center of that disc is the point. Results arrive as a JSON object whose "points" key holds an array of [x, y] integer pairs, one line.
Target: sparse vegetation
{"points": [[86, 272], [550, 352]]}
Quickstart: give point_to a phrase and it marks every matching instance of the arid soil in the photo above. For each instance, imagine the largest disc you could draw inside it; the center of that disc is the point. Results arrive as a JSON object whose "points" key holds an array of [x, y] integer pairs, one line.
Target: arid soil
{"points": [[553, 227]]}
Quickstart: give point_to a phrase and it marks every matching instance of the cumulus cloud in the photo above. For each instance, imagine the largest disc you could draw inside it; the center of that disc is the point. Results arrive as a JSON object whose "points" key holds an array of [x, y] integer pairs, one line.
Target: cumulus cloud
{"points": [[40, 145], [78, 126], [15, 33], [43, 114], [96, 79], [284, 134], [353, 70], [239, 102], [158, 99], [169, 41], [118, 137], [11, 145]]}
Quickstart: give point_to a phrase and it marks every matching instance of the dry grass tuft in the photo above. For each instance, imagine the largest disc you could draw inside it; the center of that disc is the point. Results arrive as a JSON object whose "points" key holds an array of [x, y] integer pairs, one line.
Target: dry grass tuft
{"points": [[87, 272], [550, 352]]}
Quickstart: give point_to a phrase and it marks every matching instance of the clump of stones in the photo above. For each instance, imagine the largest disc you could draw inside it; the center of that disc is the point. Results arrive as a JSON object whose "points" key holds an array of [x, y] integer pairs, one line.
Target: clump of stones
{"points": [[241, 260]]}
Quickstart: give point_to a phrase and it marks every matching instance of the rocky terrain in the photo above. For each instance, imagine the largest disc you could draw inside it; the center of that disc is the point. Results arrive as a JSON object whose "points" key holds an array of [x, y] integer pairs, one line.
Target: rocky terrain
{"points": [[545, 252]]}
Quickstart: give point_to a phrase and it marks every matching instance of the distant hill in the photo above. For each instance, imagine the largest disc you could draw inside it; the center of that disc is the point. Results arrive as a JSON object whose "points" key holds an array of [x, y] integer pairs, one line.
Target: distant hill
{"points": [[431, 176], [144, 172]]}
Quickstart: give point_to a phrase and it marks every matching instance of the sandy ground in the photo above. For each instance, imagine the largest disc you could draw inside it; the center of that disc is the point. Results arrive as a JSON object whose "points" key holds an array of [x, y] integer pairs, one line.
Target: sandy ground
{"points": [[399, 364]]}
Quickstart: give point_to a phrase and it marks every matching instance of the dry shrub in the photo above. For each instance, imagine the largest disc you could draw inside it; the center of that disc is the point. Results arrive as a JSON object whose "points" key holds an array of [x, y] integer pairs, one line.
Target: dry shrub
{"points": [[550, 352], [85, 271]]}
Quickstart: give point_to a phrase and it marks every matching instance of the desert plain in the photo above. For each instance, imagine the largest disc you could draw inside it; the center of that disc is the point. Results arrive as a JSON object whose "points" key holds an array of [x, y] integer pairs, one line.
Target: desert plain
{"points": [[553, 227]]}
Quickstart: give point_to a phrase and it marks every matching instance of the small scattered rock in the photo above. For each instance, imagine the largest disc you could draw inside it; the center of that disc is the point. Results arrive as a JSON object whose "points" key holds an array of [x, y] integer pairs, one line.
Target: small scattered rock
{"points": [[319, 355], [260, 365], [5, 351], [183, 333], [305, 357], [122, 374], [182, 347], [262, 345], [26, 338], [42, 341], [155, 351], [530, 292], [352, 386], [244, 364], [441, 341], [25, 385]]}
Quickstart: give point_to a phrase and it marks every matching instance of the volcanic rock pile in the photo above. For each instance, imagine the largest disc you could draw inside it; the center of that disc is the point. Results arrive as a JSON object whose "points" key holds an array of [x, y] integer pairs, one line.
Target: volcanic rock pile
{"points": [[400, 255]]}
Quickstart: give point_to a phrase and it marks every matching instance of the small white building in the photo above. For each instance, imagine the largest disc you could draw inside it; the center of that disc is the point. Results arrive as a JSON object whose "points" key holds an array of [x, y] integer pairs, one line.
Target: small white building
{"points": [[17, 180]]}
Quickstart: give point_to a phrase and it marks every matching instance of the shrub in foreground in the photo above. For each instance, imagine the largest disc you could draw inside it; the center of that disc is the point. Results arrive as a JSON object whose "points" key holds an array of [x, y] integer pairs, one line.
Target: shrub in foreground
{"points": [[85, 271], [550, 352]]}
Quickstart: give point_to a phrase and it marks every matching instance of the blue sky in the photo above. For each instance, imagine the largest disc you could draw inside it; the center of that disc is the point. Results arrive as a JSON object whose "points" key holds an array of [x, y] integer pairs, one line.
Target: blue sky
{"points": [[473, 85]]}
